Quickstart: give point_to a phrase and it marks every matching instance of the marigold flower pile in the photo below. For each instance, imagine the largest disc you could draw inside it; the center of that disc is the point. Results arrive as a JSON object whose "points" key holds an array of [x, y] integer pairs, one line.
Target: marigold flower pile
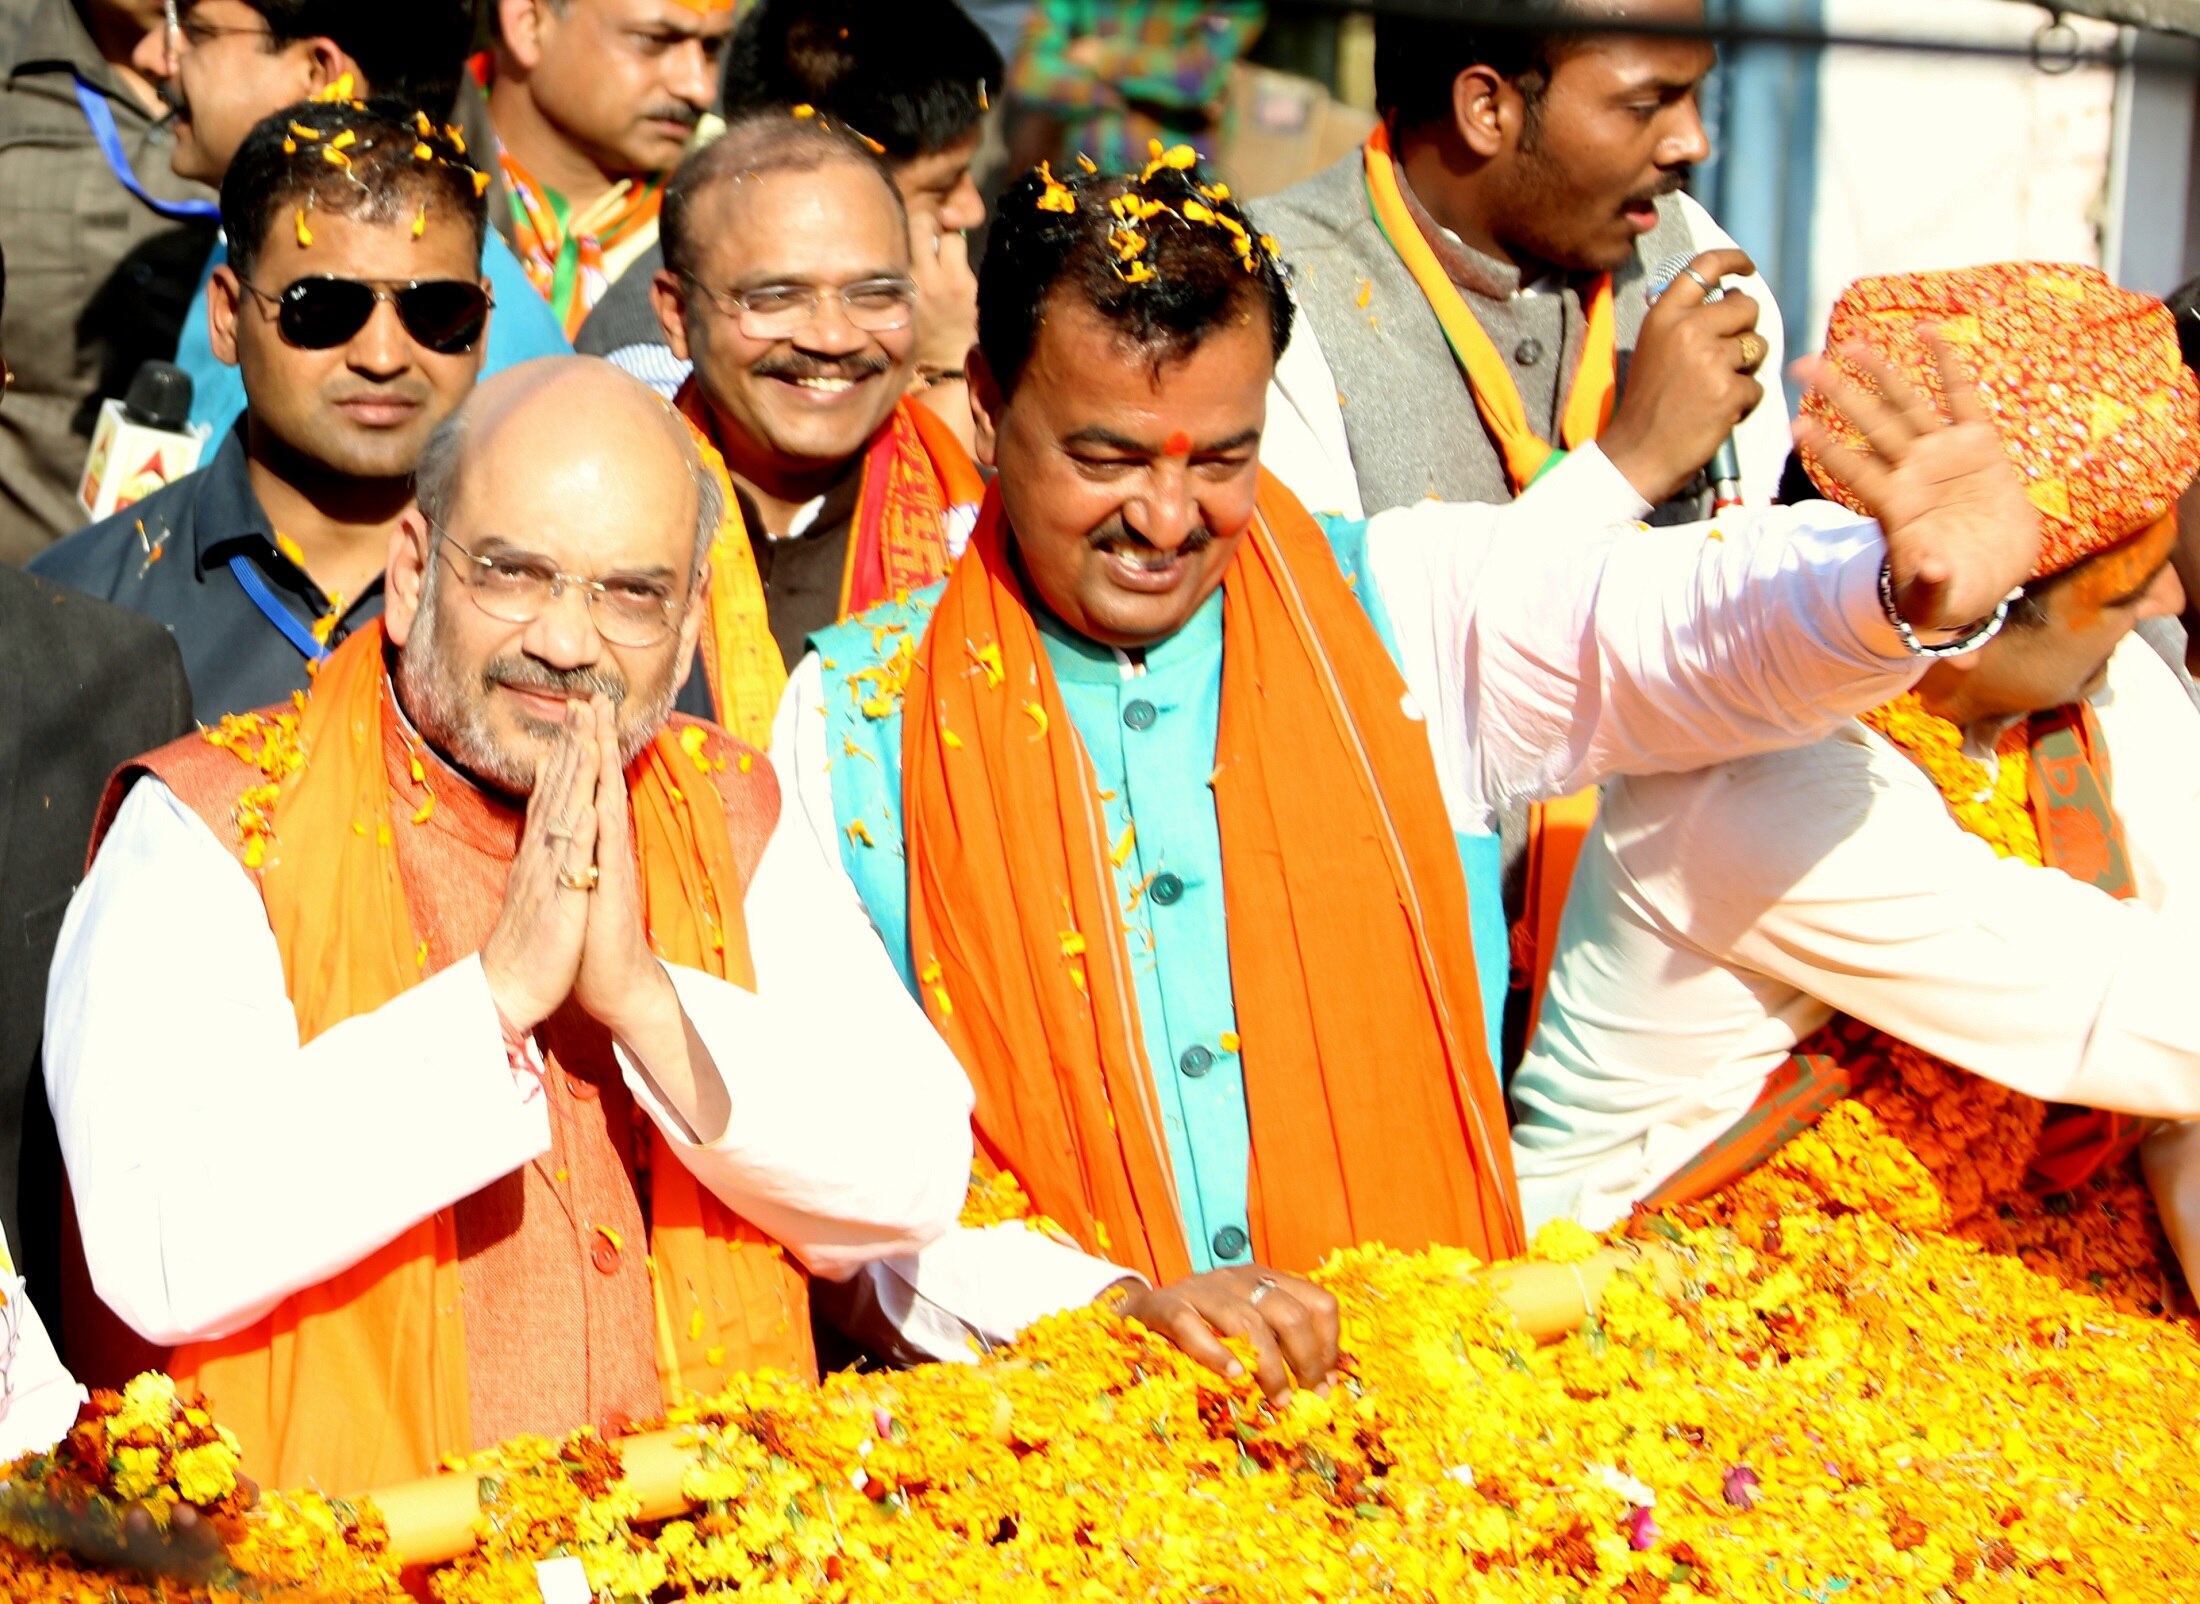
{"points": [[1849, 1396], [145, 1449]]}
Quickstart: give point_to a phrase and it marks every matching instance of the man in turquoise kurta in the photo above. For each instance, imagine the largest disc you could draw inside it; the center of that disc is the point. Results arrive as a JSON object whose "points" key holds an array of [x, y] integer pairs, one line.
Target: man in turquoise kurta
{"points": [[1123, 408]]}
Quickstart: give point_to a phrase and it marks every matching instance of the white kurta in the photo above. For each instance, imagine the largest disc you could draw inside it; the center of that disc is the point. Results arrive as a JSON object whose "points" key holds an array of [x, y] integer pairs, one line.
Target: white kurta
{"points": [[1549, 643], [1719, 917], [218, 1166], [1306, 447], [38, 1397]]}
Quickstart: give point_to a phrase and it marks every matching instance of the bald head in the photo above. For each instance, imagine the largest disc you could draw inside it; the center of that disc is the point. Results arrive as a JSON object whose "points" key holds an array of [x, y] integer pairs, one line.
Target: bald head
{"points": [[578, 411], [554, 471]]}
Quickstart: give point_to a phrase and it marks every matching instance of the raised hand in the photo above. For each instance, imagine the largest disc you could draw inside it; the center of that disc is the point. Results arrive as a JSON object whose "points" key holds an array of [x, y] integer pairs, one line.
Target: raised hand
{"points": [[947, 295], [1961, 533], [1693, 377], [1292, 1324], [533, 955]]}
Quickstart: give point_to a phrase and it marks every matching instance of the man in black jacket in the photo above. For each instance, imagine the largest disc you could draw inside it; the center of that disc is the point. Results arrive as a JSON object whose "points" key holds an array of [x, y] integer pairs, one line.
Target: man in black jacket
{"points": [[83, 688]]}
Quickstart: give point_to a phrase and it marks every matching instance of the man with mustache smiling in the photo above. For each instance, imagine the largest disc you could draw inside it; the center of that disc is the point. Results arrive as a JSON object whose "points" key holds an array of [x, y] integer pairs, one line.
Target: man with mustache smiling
{"points": [[787, 284], [1157, 802], [354, 305]]}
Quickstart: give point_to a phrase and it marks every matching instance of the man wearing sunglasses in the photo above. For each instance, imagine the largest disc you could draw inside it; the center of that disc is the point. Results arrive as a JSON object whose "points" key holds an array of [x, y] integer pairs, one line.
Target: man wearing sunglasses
{"points": [[787, 284], [229, 63], [354, 306]]}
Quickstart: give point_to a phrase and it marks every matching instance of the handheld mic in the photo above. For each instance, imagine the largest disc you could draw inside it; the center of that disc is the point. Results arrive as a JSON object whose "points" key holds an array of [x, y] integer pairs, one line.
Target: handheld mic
{"points": [[1725, 467], [141, 442]]}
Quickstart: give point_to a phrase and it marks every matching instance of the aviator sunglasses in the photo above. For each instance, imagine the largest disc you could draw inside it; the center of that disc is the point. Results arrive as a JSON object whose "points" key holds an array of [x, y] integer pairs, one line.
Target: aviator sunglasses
{"points": [[445, 315]]}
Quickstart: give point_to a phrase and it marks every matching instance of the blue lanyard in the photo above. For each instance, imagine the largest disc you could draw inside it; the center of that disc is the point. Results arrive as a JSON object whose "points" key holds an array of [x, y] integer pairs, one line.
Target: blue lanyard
{"points": [[109, 139], [256, 589]]}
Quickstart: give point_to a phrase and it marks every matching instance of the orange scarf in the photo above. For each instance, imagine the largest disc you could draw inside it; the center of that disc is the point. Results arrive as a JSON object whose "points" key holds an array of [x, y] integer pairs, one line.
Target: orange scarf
{"points": [[914, 472], [1496, 397], [1375, 1114], [2080, 834], [361, 1380]]}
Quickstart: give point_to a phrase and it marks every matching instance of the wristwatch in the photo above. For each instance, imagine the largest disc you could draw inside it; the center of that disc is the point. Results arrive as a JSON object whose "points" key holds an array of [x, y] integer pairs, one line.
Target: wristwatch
{"points": [[1969, 641]]}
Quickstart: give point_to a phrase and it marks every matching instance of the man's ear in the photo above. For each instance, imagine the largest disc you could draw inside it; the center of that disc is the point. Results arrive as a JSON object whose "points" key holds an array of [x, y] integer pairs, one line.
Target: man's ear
{"points": [[988, 406], [1479, 97], [668, 294], [326, 63], [520, 25], [224, 293], [412, 548]]}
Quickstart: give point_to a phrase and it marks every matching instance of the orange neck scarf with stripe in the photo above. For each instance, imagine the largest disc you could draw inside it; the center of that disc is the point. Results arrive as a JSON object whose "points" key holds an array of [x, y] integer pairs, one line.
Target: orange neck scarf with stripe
{"points": [[361, 1381], [1375, 1114], [915, 472], [1596, 382], [2080, 834]]}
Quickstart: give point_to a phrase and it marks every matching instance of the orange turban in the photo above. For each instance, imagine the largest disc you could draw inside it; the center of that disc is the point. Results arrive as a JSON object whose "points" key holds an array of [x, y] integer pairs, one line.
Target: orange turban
{"points": [[2084, 381]]}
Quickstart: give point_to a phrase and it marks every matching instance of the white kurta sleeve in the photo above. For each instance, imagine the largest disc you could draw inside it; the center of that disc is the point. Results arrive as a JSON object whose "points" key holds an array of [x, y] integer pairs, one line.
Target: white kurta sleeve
{"points": [[850, 1133], [1837, 871], [1551, 647], [970, 1291], [38, 1397], [1304, 443], [803, 759], [218, 1166]]}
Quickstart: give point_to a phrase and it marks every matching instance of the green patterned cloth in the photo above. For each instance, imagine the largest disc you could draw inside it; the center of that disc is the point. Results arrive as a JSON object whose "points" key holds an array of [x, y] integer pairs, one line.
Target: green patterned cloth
{"points": [[1121, 72]]}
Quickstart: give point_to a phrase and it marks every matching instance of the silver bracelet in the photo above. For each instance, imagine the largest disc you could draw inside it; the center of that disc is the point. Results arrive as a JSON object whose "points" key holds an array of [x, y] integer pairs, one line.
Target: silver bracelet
{"points": [[1978, 635]]}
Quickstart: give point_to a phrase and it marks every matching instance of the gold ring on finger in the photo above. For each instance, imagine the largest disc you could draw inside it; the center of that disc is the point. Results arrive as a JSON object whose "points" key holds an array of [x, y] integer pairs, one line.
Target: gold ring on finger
{"points": [[584, 881], [1755, 348]]}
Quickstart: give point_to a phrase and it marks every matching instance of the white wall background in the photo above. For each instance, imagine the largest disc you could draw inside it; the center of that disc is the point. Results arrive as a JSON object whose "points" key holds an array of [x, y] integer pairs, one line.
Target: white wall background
{"points": [[1929, 161]]}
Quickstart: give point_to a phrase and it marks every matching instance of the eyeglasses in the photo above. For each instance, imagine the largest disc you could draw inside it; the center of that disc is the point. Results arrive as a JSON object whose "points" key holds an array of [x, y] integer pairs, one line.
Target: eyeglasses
{"points": [[444, 314], [514, 588], [179, 31], [778, 311]]}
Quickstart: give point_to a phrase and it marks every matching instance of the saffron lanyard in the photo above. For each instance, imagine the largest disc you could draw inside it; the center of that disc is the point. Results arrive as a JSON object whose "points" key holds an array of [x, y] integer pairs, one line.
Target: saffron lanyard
{"points": [[101, 116], [262, 596], [1526, 454]]}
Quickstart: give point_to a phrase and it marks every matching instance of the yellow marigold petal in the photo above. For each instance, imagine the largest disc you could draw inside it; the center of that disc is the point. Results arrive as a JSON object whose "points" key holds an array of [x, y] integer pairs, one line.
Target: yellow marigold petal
{"points": [[1230, 1039], [1038, 716], [305, 239], [1122, 853], [859, 831]]}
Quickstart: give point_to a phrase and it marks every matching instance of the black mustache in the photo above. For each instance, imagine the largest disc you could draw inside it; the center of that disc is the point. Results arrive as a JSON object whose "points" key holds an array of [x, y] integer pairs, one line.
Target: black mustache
{"points": [[527, 675], [1118, 532], [855, 368], [1671, 183], [674, 111]]}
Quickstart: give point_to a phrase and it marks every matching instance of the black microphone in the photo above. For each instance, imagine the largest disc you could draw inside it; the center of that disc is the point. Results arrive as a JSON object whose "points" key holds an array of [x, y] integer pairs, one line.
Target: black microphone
{"points": [[1725, 468], [141, 442]]}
